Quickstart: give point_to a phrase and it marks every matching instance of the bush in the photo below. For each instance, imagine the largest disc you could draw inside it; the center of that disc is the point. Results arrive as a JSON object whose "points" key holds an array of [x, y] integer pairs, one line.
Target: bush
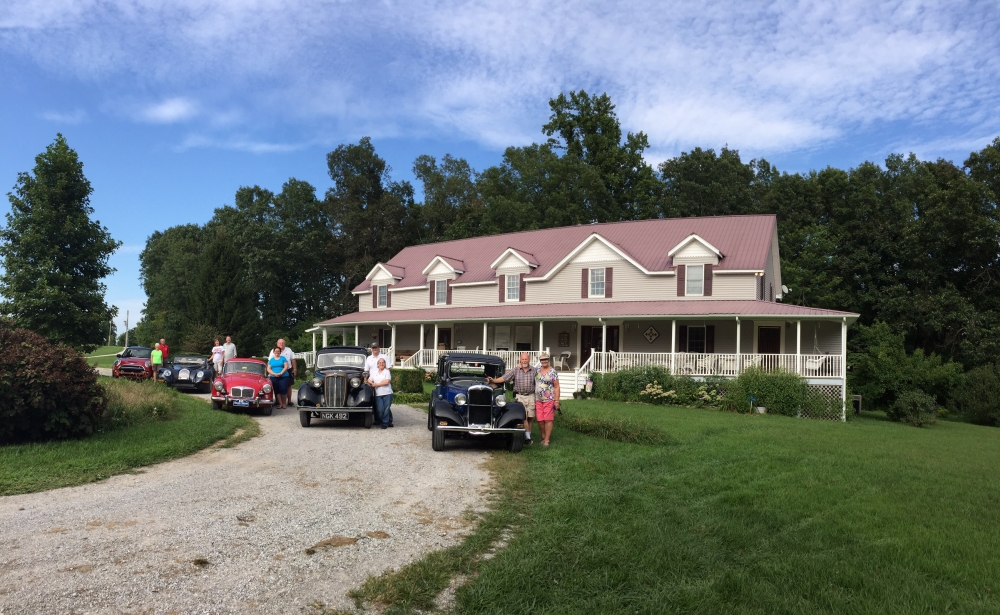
{"points": [[407, 380], [131, 403], [629, 384], [780, 392], [979, 399], [49, 391], [416, 400], [914, 407]]}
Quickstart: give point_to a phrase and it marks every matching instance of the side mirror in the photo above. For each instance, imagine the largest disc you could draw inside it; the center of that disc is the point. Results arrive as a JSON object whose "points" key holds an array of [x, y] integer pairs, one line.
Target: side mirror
{"points": [[119, 355]]}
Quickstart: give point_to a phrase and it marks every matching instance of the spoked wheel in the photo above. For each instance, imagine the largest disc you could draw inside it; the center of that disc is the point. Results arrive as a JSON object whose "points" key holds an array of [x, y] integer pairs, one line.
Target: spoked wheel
{"points": [[515, 442], [437, 439], [369, 419], [304, 418]]}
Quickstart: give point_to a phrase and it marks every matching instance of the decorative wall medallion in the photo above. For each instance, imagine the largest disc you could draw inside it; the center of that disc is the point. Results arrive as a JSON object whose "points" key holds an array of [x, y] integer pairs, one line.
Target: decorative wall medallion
{"points": [[651, 334]]}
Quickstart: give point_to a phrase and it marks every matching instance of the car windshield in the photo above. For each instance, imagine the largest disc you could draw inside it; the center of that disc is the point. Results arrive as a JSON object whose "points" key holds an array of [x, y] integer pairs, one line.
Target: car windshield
{"points": [[188, 360], [340, 359], [136, 353], [477, 370], [244, 367]]}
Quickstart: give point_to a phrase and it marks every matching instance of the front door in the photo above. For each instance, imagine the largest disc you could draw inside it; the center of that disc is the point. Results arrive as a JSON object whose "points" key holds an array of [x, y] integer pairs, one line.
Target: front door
{"points": [[444, 339], [590, 338], [769, 340], [384, 338]]}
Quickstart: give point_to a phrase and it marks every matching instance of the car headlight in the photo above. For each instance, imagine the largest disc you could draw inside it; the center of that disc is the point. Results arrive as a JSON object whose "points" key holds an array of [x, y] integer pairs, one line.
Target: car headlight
{"points": [[199, 376], [461, 399], [265, 389], [355, 383], [317, 382], [165, 373], [117, 363], [501, 400], [219, 386], [148, 364]]}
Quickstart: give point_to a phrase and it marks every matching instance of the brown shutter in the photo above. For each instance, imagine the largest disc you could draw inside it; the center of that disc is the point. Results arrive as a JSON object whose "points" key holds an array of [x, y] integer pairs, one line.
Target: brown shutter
{"points": [[448, 285], [433, 286], [681, 271], [388, 298], [607, 282], [520, 292], [502, 283], [707, 288], [682, 337], [374, 296], [709, 338], [586, 283]]}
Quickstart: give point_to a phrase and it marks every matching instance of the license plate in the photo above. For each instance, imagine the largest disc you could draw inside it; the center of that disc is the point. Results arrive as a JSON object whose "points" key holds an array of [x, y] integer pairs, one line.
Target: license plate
{"points": [[241, 403], [336, 416]]}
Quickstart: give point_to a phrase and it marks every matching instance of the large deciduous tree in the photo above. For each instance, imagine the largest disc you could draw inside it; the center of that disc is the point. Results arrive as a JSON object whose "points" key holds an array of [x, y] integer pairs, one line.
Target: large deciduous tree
{"points": [[54, 255]]}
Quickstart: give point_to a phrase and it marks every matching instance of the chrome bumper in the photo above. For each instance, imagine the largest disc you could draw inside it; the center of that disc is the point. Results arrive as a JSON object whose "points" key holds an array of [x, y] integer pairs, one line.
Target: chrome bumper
{"points": [[253, 402]]}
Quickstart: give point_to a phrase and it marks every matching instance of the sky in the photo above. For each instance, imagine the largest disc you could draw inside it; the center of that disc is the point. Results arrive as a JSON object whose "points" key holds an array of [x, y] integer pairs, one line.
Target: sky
{"points": [[172, 105]]}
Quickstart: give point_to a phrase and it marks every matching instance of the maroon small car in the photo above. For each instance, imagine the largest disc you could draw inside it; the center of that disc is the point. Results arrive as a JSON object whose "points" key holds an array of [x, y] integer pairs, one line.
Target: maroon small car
{"points": [[133, 363], [243, 384]]}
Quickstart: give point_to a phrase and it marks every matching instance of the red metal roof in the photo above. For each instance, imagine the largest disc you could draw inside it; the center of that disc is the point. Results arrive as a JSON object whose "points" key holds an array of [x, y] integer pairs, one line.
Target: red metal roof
{"points": [[743, 241], [593, 309]]}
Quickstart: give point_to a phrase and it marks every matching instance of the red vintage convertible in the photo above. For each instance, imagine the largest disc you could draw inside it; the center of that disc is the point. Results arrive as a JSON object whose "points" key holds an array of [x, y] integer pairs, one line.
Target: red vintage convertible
{"points": [[243, 384]]}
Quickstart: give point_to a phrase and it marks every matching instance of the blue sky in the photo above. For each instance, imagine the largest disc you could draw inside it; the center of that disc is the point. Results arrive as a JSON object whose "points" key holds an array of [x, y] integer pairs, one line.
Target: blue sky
{"points": [[174, 104]]}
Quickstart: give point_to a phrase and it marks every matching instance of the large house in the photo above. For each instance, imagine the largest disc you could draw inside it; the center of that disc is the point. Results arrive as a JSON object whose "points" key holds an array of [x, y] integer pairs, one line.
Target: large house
{"points": [[700, 296]]}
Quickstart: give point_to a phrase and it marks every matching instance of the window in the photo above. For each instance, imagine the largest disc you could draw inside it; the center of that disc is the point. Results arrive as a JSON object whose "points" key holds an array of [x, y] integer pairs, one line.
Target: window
{"points": [[695, 281], [513, 287], [597, 282], [696, 339], [383, 296], [440, 292]]}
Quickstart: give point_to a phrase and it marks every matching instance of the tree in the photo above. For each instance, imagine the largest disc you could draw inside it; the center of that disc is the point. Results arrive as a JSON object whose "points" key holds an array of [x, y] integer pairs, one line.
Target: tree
{"points": [[54, 255]]}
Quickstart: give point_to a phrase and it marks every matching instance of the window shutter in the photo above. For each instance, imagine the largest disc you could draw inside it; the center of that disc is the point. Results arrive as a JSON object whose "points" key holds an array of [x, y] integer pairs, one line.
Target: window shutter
{"points": [[709, 338], [374, 296], [502, 283], [682, 337], [681, 271], [520, 291], [607, 282], [585, 287], [433, 286], [708, 282], [448, 286], [388, 298]]}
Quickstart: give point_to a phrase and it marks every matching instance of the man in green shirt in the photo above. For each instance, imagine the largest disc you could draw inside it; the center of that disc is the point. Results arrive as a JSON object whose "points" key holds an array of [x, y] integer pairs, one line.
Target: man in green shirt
{"points": [[156, 358]]}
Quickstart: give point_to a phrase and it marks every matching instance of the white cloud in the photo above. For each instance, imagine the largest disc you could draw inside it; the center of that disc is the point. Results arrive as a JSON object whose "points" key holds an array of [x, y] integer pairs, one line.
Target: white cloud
{"points": [[73, 117], [239, 144], [169, 111]]}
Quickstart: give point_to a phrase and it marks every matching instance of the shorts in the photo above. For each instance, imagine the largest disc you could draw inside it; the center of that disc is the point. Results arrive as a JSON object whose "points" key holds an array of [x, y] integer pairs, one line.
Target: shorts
{"points": [[546, 410], [218, 367], [529, 403], [156, 370]]}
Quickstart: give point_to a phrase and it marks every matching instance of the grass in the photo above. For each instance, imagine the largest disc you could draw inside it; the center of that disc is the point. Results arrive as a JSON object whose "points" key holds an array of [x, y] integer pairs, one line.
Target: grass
{"points": [[730, 514], [28, 468], [95, 358]]}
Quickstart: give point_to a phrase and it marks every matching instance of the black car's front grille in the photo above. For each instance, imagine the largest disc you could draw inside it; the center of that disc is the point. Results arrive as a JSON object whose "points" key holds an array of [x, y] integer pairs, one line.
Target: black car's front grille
{"points": [[335, 390], [480, 405], [244, 392]]}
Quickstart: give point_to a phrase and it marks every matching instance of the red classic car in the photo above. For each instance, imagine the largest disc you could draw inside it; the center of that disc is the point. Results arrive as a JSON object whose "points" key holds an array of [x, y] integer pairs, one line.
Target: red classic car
{"points": [[243, 384], [133, 363]]}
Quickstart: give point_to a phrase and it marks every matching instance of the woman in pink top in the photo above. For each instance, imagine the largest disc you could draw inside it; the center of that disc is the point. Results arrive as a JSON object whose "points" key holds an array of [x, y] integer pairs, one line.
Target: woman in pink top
{"points": [[546, 397]]}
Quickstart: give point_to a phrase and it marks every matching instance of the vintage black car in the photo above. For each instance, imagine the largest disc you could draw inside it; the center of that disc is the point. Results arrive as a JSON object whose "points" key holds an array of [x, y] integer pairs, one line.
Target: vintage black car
{"points": [[465, 404], [337, 391], [188, 371]]}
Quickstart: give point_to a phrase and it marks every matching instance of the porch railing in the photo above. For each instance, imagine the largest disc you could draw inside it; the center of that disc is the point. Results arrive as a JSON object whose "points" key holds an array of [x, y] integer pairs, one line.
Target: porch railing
{"points": [[428, 357], [308, 357], [719, 364]]}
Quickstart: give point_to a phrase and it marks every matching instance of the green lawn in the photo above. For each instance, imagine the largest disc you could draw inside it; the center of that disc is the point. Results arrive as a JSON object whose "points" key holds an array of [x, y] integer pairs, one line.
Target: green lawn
{"points": [[97, 360], [36, 467], [734, 514]]}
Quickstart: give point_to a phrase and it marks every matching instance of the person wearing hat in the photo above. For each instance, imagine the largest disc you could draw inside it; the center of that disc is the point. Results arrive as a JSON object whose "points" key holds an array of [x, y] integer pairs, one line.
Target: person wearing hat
{"points": [[546, 396], [371, 363], [523, 377]]}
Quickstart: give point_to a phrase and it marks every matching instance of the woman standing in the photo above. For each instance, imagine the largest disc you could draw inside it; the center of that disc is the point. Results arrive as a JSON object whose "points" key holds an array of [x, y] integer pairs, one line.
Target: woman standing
{"points": [[381, 381], [218, 357], [277, 367], [546, 397]]}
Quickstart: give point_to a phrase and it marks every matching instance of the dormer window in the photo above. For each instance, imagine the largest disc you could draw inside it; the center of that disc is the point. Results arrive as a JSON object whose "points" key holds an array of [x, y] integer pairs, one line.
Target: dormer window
{"points": [[695, 280], [597, 282], [383, 296], [513, 287], [440, 292]]}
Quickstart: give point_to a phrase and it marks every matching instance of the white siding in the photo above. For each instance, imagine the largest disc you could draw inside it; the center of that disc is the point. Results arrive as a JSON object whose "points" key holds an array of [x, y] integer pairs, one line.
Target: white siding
{"points": [[441, 271], [596, 252], [407, 339], [733, 286], [365, 302], [471, 296], [628, 284], [512, 265], [695, 253], [634, 340], [382, 278], [409, 299]]}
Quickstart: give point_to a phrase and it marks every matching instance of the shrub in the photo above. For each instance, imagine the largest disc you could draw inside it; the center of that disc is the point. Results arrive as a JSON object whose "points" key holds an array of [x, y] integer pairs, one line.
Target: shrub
{"points": [[132, 403], [979, 399], [49, 391], [779, 391], [617, 429], [407, 380], [300, 365], [412, 399], [914, 407], [431, 376], [629, 384]]}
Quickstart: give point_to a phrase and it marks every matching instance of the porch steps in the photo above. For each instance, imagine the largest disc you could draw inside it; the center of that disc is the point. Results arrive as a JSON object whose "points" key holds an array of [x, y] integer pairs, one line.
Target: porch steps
{"points": [[567, 384]]}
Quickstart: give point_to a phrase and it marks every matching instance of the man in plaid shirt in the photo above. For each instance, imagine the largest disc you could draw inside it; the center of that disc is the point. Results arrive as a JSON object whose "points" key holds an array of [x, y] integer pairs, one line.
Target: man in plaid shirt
{"points": [[524, 389]]}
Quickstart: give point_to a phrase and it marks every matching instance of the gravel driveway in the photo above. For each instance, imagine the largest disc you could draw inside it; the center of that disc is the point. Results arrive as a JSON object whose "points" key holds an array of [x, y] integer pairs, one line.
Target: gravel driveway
{"points": [[291, 517]]}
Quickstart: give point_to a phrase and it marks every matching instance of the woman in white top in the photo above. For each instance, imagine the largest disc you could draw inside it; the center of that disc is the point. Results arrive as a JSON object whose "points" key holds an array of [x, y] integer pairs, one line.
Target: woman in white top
{"points": [[381, 381], [218, 356]]}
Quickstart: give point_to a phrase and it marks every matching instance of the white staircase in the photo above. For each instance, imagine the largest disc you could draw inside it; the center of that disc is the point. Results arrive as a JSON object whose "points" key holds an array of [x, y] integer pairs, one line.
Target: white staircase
{"points": [[568, 384]]}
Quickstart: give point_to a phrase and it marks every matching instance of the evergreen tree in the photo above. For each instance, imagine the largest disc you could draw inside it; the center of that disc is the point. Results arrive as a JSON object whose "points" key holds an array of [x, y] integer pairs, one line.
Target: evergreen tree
{"points": [[54, 255]]}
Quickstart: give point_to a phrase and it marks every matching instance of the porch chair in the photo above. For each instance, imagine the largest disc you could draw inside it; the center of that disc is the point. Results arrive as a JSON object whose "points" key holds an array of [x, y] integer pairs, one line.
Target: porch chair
{"points": [[813, 365], [704, 364], [563, 360], [726, 365]]}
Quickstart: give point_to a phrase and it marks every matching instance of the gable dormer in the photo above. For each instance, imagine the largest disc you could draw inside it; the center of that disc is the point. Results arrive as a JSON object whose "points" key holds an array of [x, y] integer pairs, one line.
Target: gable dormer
{"points": [[443, 268], [514, 261], [695, 250], [381, 277], [694, 259]]}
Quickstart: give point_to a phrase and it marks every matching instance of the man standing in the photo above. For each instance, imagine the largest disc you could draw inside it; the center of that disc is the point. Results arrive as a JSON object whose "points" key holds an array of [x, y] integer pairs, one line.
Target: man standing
{"points": [[230, 348], [371, 363], [524, 389], [289, 356], [165, 349]]}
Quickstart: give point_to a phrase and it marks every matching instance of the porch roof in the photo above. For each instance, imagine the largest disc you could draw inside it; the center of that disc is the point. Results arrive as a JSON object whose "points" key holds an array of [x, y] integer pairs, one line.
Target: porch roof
{"points": [[686, 309]]}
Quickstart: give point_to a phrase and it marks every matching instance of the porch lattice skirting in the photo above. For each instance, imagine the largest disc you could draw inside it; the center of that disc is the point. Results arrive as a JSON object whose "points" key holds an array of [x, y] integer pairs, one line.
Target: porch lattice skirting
{"points": [[833, 409]]}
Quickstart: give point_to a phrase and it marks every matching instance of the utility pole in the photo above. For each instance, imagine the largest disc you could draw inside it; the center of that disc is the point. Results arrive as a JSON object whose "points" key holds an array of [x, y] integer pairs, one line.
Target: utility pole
{"points": [[111, 329], [126, 328]]}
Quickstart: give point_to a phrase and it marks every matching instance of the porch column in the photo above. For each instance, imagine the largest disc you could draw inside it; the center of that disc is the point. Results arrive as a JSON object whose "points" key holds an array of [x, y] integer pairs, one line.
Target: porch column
{"points": [[356, 336], [798, 346], [843, 367], [541, 336], [484, 336], [673, 345], [314, 344], [604, 337], [421, 337], [324, 337], [435, 343], [738, 364], [393, 341]]}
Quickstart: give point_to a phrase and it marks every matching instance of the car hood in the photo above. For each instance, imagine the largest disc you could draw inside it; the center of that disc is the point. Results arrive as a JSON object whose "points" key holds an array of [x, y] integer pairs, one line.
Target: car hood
{"points": [[132, 361], [235, 380]]}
